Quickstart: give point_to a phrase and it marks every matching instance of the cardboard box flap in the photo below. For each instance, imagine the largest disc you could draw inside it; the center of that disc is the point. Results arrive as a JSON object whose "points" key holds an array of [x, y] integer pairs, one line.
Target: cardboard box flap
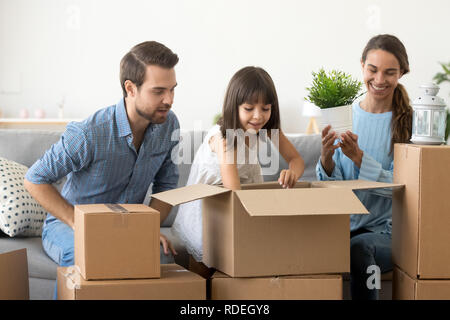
{"points": [[303, 201], [114, 208], [189, 193], [355, 184]]}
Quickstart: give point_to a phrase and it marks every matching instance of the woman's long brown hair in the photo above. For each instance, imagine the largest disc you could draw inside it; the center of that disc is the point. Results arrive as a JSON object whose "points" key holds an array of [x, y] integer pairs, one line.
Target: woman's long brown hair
{"points": [[401, 125]]}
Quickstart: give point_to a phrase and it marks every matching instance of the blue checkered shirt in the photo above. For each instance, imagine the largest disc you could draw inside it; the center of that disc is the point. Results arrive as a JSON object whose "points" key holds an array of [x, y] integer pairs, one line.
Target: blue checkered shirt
{"points": [[101, 163]]}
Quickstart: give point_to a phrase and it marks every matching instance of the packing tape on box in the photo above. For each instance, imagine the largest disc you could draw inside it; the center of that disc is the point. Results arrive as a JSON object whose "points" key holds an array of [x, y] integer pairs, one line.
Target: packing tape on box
{"points": [[178, 270], [72, 275], [116, 208], [120, 221], [275, 282]]}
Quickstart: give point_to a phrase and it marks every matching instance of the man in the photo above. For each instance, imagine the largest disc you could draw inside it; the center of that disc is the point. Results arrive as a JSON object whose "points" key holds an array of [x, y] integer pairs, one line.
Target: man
{"points": [[114, 155]]}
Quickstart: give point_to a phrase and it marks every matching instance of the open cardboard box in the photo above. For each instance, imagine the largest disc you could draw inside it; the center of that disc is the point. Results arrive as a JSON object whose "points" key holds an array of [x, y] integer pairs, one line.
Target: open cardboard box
{"points": [[263, 230]]}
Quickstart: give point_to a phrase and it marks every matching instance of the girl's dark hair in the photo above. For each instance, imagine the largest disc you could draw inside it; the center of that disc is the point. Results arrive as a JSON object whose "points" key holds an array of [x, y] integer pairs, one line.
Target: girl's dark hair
{"points": [[133, 64], [249, 85], [401, 125]]}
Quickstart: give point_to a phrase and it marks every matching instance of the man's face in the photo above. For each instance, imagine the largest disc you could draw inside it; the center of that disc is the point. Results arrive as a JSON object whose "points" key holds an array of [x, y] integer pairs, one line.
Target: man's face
{"points": [[154, 97]]}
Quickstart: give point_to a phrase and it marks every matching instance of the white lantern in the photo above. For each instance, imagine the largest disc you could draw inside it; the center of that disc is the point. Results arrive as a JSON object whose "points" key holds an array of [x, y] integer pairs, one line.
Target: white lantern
{"points": [[429, 117]]}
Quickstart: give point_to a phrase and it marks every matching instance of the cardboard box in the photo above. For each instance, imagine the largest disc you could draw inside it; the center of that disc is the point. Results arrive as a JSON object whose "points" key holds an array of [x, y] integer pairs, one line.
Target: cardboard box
{"points": [[312, 287], [14, 275], [117, 241], [408, 288], [176, 283], [421, 211], [263, 230]]}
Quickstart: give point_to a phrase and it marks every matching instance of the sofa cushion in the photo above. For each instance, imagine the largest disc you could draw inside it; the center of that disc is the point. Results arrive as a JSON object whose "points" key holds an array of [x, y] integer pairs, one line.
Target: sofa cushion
{"points": [[26, 146], [39, 264], [19, 212], [309, 147], [33, 144]]}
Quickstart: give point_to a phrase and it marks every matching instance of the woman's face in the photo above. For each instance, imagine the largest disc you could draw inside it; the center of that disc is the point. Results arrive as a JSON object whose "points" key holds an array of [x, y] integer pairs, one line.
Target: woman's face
{"points": [[381, 72]]}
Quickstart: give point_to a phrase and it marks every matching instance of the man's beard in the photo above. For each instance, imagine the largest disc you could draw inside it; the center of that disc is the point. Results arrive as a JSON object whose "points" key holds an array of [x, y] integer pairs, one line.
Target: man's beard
{"points": [[153, 117]]}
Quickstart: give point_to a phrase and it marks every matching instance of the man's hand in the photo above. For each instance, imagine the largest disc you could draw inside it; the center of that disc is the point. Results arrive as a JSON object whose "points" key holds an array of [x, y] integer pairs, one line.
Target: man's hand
{"points": [[167, 245], [52, 201], [349, 147]]}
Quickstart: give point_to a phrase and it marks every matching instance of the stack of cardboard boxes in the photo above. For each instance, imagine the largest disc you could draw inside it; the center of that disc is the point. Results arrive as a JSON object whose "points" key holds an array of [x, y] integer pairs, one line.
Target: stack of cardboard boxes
{"points": [[117, 256], [421, 222], [265, 243], [270, 243]]}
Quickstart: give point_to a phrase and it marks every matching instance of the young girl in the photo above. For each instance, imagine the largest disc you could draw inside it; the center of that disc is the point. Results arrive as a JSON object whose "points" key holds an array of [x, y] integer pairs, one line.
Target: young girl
{"points": [[251, 104], [382, 118]]}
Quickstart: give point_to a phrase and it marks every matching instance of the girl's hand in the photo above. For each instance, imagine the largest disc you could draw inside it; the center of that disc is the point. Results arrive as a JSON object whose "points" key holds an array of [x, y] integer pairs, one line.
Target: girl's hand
{"points": [[166, 245], [216, 143], [349, 147], [287, 178]]}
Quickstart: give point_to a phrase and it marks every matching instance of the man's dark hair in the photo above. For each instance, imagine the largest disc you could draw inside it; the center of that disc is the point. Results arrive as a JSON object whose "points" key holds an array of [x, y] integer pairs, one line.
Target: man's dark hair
{"points": [[134, 63]]}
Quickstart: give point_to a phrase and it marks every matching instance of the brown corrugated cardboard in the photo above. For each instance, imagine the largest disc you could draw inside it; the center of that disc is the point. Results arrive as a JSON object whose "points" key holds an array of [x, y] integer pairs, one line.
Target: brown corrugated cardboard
{"points": [[421, 211], [263, 230], [313, 287], [117, 241], [14, 275], [407, 288], [176, 283]]}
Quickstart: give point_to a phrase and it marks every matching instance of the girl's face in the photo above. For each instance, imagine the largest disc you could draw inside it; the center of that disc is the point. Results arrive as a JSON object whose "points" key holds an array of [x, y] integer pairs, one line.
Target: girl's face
{"points": [[381, 72], [254, 116]]}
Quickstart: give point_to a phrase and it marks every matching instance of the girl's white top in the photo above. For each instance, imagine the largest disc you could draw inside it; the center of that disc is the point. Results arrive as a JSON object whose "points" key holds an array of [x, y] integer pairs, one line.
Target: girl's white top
{"points": [[206, 169]]}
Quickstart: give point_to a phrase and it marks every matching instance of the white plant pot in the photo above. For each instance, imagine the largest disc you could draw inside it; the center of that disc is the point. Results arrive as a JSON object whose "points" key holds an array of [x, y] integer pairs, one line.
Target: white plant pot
{"points": [[340, 118]]}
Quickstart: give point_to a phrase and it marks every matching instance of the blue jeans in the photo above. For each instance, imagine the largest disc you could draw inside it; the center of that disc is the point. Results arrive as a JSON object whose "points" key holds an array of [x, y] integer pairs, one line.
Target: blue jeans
{"points": [[368, 249], [58, 243]]}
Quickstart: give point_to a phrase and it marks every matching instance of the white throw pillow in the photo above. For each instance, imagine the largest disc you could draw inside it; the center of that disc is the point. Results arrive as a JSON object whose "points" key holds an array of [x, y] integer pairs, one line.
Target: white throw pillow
{"points": [[20, 214]]}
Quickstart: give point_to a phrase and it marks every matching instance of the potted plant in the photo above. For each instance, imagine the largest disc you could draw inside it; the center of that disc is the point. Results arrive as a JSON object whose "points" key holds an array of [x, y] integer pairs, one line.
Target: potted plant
{"points": [[334, 92], [443, 77]]}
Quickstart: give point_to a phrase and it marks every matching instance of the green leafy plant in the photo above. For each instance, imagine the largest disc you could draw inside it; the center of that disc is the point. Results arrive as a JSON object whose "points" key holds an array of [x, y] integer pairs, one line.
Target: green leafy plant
{"points": [[216, 118], [444, 77], [333, 89]]}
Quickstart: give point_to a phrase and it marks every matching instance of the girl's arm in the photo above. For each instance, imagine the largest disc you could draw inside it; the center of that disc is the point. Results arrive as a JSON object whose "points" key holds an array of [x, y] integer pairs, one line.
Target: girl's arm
{"points": [[289, 177], [227, 161]]}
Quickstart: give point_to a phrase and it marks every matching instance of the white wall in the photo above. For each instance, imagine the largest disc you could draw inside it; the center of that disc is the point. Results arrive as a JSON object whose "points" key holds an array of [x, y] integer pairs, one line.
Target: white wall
{"points": [[50, 49]]}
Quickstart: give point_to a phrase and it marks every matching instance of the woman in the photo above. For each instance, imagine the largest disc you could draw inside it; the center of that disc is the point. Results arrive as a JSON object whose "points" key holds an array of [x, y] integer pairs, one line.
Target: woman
{"points": [[381, 119]]}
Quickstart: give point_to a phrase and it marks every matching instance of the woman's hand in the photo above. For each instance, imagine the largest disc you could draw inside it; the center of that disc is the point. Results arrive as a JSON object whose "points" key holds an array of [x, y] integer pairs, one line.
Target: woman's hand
{"points": [[167, 245], [288, 178], [328, 148], [349, 147]]}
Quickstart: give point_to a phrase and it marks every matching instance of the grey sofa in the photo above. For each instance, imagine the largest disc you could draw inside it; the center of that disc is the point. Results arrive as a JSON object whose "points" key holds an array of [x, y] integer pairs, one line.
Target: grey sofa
{"points": [[26, 146]]}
